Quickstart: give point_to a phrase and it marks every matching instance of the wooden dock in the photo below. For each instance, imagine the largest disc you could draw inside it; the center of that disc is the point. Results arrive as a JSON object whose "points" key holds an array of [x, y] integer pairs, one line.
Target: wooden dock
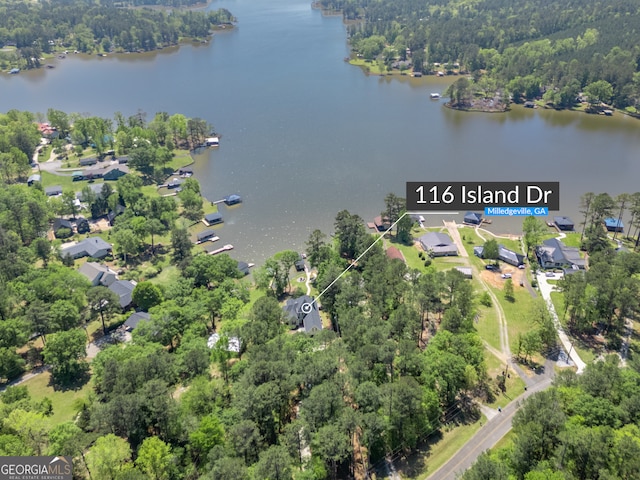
{"points": [[226, 248]]}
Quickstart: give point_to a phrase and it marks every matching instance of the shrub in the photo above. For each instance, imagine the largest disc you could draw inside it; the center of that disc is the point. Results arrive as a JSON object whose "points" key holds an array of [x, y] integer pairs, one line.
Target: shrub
{"points": [[485, 299]]}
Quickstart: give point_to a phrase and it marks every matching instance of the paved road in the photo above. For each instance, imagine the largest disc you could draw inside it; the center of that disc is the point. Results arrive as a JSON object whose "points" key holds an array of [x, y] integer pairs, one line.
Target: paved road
{"points": [[486, 437]]}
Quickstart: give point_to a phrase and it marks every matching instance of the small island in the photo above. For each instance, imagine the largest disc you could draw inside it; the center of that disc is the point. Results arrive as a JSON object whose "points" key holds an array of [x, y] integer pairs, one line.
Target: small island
{"points": [[33, 33]]}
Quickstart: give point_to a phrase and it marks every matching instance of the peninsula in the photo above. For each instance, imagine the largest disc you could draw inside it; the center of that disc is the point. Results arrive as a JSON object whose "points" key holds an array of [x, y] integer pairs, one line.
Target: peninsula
{"points": [[32, 32]]}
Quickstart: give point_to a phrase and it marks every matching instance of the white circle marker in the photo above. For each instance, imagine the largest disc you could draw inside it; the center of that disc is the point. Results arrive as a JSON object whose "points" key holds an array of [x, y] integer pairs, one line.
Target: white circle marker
{"points": [[306, 308]]}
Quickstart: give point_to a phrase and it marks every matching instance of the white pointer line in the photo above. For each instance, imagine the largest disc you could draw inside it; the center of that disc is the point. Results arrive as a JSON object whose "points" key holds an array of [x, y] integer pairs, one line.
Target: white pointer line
{"points": [[359, 257]]}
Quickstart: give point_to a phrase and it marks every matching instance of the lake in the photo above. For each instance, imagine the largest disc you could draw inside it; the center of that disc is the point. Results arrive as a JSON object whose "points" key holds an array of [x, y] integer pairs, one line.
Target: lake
{"points": [[305, 135]]}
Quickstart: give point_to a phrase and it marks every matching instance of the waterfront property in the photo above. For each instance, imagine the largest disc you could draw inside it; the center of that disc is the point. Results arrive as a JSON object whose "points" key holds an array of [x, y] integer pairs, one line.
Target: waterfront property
{"points": [[243, 267], [472, 218], [564, 223], [212, 142], [504, 254], [302, 312], [555, 254], [232, 199], [438, 244], [613, 225], [94, 247], [380, 224], [205, 235], [212, 219]]}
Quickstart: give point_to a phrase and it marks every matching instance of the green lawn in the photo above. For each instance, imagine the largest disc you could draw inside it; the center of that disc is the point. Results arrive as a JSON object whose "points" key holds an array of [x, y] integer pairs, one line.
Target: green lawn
{"points": [[166, 276], [66, 182], [515, 385], [487, 326], [557, 299], [515, 312], [572, 239], [63, 401]]}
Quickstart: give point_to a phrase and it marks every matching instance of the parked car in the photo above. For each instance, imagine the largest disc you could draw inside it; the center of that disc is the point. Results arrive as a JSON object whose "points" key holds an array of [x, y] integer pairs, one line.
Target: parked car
{"points": [[506, 275], [492, 267], [522, 266], [550, 274]]}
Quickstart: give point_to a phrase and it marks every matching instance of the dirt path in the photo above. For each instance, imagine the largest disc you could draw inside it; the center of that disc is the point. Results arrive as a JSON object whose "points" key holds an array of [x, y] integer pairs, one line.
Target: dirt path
{"points": [[452, 228]]}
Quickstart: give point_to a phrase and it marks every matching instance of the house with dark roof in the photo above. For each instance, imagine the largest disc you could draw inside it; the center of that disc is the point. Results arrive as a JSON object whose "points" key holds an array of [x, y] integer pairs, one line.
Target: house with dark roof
{"points": [[111, 216], [114, 172], [564, 223], [53, 191], [98, 274], [62, 224], [96, 188], [135, 319], [212, 219], [33, 178], [613, 225], [82, 226], [94, 247], [85, 162], [504, 254], [232, 199], [93, 173], [553, 253], [124, 289], [381, 224], [472, 218], [122, 160], [186, 171], [174, 183], [302, 312], [205, 235], [243, 267], [438, 244]]}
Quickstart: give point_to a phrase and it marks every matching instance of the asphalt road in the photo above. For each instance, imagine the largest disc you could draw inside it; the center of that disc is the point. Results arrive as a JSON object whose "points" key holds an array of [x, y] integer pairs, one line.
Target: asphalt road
{"points": [[486, 437]]}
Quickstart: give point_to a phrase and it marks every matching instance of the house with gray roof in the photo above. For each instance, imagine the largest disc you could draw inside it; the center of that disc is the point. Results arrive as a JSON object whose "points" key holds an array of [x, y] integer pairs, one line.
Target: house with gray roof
{"points": [[94, 247], [504, 254], [212, 219], [98, 274], [553, 253], [134, 320], [124, 289], [302, 312], [472, 218], [33, 178], [53, 191], [564, 223], [438, 244]]}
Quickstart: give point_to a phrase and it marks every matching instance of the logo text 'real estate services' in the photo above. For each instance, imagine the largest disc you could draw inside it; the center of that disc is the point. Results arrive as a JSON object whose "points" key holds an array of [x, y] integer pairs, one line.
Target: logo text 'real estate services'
{"points": [[36, 468]]}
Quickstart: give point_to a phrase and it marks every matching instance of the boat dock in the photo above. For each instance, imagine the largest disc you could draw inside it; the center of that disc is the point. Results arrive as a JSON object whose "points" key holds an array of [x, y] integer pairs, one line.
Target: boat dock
{"points": [[210, 239], [226, 248]]}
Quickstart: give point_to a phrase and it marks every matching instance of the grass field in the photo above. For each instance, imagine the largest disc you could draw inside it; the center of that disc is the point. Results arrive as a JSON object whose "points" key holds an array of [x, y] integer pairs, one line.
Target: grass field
{"points": [[516, 313], [514, 384], [62, 401], [487, 326]]}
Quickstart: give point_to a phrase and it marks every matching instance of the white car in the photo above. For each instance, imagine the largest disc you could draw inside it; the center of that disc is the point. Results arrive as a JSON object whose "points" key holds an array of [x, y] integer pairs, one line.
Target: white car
{"points": [[549, 274], [506, 275]]}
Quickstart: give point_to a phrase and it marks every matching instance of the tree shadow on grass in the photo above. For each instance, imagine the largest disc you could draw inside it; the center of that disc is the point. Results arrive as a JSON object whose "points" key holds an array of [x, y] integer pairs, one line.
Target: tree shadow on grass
{"points": [[72, 382]]}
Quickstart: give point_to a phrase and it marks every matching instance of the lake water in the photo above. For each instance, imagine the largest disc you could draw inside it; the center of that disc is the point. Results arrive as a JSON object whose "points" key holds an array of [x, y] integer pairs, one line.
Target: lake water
{"points": [[305, 135]]}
